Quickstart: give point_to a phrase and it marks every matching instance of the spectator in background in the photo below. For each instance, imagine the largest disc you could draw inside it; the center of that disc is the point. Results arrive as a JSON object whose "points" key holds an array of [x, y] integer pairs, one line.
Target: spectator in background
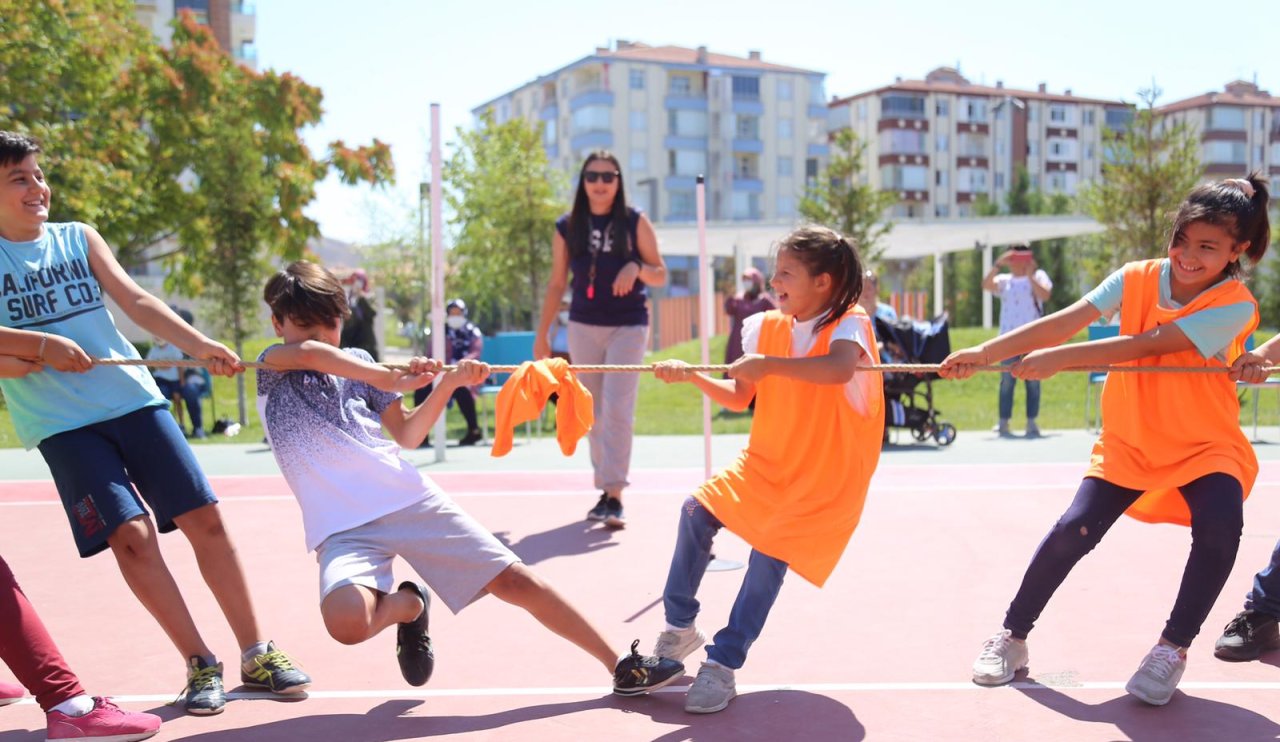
{"points": [[358, 332], [462, 339], [869, 299], [1023, 292], [753, 299], [188, 383]]}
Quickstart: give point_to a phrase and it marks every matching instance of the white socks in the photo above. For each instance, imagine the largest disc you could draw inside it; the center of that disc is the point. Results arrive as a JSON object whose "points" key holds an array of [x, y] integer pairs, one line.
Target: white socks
{"points": [[78, 706]]}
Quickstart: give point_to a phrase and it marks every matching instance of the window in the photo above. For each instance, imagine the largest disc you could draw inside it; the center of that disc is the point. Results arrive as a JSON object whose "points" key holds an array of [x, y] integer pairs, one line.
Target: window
{"points": [[683, 206], [1033, 148], [1088, 117], [903, 141], [687, 162], [687, 123], [1257, 155], [942, 142], [786, 207], [971, 180], [746, 88], [1000, 148], [785, 89], [784, 167], [1118, 118], [999, 181], [679, 85], [1088, 152], [587, 118], [746, 166], [942, 210], [971, 145], [973, 109], [940, 178], [784, 129], [862, 110], [746, 205], [637, 79], [638, 120], [549, 133], [248, 52], [817, 93], [639, 160], [1257, 119], [1033, 112], [904, 177], [810, 169], [747, 127], [1228, 118], [1058, 114], [1224, 153], [943, 108], [901, 106]]}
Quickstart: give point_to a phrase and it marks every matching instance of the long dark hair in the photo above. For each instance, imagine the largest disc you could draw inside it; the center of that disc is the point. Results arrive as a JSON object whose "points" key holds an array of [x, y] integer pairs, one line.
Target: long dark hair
{"points": [[824, 250], [1230, 205], [579, 227]]}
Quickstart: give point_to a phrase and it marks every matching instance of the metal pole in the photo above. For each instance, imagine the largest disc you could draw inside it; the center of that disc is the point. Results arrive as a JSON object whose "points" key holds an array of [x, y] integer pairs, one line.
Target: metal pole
{"points": [[986, 295], [437, 265], [705, 317]]}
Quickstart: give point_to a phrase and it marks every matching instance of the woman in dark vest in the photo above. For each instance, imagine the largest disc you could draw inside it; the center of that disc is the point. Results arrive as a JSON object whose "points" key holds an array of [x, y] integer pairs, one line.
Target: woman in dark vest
{"points": [[612, 252]]}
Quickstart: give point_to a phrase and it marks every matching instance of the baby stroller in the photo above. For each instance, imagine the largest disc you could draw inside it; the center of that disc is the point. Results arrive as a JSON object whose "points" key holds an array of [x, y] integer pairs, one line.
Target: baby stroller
{"points": [[908, 398]]}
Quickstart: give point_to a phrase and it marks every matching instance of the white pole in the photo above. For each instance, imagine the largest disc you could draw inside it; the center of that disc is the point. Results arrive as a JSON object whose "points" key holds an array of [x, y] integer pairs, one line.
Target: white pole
{"points": [[705, 317], [938, 303], [987, 262], [437, 266]]}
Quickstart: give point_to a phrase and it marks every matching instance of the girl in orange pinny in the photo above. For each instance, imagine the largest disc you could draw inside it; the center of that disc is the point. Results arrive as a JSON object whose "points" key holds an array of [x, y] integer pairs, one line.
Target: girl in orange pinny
{"points": [[1160, 458], [796, 492]]}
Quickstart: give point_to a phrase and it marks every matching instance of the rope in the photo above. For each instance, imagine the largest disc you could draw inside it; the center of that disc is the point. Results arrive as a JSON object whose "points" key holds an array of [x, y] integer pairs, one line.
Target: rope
{"points": [[910, 368]]}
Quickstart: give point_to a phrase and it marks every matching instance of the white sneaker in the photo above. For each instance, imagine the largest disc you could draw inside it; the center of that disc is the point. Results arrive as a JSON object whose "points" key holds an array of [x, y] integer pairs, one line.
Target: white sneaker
{"points": [[676, 645], [1002, 657], [1158, 675], [711, 691]]}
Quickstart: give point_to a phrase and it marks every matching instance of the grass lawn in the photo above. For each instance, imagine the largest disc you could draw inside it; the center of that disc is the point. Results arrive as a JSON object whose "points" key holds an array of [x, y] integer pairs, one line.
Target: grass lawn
{"points": [[675, 409]]}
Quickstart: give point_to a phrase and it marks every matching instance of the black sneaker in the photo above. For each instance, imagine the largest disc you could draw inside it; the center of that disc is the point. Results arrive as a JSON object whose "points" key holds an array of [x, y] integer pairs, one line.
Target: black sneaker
{"points": [[1248, 635], [204, 694], [601, 510], [637, 673], [613, 513], [274, 671], [413, 646], [471, 438]]}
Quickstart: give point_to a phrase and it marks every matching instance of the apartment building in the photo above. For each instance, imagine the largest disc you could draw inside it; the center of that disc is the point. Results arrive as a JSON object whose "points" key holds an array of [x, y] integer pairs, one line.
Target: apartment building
{"points": [[233, 23], [755, 129], [943, 142], [1239, 129]]}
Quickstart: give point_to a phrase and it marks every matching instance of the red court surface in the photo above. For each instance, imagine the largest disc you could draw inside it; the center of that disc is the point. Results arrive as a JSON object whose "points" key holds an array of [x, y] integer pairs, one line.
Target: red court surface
{"points": [[882, 653]]}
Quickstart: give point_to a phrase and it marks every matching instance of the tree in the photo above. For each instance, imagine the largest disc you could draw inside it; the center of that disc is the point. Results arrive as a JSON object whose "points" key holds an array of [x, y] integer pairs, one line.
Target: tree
{"points": [[233, 136], [503, 197], [841, 200], [1149, 168]]}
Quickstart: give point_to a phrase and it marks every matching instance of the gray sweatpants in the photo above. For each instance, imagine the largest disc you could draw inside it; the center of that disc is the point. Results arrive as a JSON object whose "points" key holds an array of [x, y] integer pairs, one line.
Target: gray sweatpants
{"points": [[614, 395]]}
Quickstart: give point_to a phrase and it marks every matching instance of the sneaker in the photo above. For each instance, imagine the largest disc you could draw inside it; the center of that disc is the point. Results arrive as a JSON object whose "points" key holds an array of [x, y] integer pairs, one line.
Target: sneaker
{"points": [[601, 509], [107, 722], [199, 434], [274, 671], [636, 673], [471, 438], [1002, 429], [11, 693], [413, 646], [711, 691], [204, 694], [1248, 635], [613, 513], [676, 645], [1033, 430], [1002, 657], [1158, 675]]}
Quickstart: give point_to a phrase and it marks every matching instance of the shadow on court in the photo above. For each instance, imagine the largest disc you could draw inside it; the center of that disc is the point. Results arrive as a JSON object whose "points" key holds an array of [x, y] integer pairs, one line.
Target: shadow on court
{"points": [[1185, 717], [579, 537]]}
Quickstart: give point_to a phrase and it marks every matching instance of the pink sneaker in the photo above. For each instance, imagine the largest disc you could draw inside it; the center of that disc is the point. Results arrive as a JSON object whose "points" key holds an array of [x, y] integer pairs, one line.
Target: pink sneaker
{"points": [[107, 722], [11, 693]]}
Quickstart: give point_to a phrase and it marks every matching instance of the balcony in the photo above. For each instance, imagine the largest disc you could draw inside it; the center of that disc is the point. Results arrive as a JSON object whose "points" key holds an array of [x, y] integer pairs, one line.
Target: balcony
{"points": [[819, 150], [917, 124], [680, 182], [1061, 132], [591, 97], [904, 158], [549, 112], [748, 106], [972, 127], [675, 141], [591, 140], [916, 196], [748, 145], [686, 102], [748, 184], [971, 161], [817, 111]]}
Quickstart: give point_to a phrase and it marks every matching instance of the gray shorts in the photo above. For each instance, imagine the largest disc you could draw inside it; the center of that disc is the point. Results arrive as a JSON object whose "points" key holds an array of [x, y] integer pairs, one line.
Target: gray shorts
{"points": [[454, 554]]}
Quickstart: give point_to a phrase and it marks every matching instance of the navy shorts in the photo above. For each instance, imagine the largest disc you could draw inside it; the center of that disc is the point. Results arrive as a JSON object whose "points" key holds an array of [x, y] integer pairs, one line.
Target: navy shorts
{"points": [[97, 467]]}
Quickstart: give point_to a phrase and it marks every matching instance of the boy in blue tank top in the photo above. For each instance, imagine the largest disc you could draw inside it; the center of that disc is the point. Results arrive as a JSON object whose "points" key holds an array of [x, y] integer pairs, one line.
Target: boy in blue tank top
{"points": [[105, 431]]}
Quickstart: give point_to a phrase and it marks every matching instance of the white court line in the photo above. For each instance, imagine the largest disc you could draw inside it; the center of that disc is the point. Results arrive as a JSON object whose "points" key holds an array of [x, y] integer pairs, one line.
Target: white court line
{"points": [[598, 691]]}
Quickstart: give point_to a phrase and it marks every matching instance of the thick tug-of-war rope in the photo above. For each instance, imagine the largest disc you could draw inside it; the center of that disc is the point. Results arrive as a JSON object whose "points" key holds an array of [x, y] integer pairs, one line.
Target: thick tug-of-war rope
{"points": [[909, 368]]}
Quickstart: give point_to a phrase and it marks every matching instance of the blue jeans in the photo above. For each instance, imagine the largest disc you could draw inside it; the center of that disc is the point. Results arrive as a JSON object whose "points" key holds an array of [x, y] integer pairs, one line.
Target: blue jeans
{"points": [[1216, 503], [1265, 595], [759, 589], [1007, 383]]}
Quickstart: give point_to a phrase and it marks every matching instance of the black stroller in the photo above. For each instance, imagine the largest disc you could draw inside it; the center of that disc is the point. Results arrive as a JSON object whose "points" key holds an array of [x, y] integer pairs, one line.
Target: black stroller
{"points": [[908, 398]]}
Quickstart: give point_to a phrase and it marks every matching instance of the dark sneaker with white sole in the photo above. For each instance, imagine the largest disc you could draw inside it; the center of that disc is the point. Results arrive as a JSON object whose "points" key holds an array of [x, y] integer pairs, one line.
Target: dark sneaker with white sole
{"points": [[204, 694], [1248, 635], [636, 674], [413, 646], [613, 516], [601, 508]]}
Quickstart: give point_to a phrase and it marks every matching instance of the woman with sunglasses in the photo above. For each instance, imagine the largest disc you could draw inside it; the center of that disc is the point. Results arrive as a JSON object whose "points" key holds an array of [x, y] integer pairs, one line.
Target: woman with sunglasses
{"points": [[612, 252]]}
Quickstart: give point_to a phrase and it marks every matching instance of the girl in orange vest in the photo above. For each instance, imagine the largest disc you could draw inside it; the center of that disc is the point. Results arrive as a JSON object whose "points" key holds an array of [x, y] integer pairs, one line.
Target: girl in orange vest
{"points": [[1158, 461], [796, 492]]}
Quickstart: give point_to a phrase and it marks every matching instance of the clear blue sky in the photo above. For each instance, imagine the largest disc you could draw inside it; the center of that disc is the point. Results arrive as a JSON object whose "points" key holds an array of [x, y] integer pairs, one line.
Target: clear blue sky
{"points": [[381, 63]]}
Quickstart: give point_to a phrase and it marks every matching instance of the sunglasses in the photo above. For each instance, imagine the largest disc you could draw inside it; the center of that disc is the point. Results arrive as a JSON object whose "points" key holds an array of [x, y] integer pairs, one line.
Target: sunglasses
{"points": [[592, 176]]}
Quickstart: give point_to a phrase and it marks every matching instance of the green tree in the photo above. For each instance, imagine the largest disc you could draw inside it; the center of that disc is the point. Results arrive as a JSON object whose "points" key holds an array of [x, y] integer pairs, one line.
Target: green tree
{"points": [[1148, 170], [841, 200], [502, 194], [246, 174]]}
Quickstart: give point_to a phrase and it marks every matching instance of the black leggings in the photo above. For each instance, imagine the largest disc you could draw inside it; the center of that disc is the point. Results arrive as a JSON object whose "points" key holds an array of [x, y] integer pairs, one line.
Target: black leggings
{"points": [[1215, 501]]}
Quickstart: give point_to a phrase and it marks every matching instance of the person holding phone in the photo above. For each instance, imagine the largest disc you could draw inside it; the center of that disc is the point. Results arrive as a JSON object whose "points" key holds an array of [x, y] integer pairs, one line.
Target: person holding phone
{"points": [[1022, 291]]}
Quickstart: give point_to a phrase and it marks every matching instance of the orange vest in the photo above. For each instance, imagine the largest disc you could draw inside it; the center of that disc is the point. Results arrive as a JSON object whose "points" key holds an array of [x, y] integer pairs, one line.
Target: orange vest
{"points": [[796, 492], [524, 395], [1163, 430]]}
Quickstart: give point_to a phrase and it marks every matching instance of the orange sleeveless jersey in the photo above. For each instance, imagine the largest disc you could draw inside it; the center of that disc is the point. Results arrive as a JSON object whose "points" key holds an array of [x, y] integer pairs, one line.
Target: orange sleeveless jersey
{"points": [[796, 492], [1161, 431]]}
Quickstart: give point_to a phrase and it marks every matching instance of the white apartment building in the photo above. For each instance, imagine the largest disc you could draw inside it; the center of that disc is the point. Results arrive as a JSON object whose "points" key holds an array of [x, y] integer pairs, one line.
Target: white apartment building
{"points": [[942, 142], [1239, 129], [233, 22], [755, 129]]}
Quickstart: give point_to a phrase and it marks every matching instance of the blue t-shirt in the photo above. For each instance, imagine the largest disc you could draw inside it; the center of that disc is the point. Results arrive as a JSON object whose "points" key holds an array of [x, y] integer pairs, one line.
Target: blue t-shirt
{"points": [[603, 308], [46, 285], [1210, 330]]}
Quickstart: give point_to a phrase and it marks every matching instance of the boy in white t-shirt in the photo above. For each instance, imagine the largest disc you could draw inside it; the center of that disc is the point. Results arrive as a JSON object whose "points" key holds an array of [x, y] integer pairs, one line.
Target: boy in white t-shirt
{"points": [[324, 409], [1023, 292]]}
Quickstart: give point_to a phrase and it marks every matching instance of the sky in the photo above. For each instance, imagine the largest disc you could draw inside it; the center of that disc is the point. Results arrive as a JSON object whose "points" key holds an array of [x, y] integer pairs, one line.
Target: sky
{"points": [[381, 63]]}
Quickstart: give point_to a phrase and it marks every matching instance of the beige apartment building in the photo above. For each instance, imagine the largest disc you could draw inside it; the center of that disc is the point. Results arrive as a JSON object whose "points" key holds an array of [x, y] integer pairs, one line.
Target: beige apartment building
{"points": [[943, 142], [1239, 129], [233, 23], [754, 128]]}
